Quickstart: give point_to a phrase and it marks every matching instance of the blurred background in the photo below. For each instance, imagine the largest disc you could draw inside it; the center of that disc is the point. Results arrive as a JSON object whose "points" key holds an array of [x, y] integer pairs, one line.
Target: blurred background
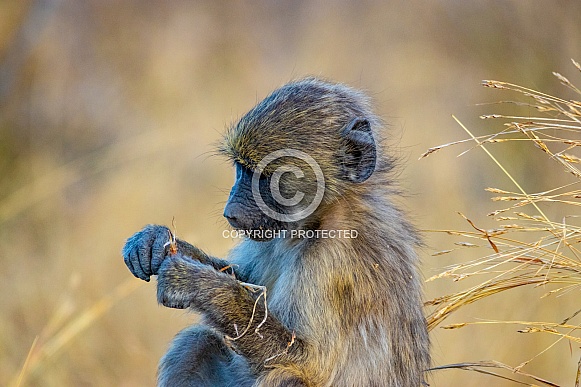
{"points": [[109, 113]]}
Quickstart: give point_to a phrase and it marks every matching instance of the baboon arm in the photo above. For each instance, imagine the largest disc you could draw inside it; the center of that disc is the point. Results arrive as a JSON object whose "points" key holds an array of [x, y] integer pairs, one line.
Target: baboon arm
{"points": [[232, 307], [221, 265], [193, 252]]}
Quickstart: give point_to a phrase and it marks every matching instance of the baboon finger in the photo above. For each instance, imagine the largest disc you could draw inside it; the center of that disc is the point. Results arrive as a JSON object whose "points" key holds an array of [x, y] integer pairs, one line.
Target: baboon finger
{"points": [[158, 252], [137, 255]]}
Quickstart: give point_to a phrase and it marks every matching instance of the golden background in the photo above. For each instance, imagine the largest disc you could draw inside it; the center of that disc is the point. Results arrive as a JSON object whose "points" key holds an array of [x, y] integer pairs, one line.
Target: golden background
{"points": [[109, 112]]}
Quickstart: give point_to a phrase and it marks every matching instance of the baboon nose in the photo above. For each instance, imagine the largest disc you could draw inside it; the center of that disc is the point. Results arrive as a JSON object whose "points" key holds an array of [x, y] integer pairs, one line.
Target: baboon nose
{"points": [[233, 214]]}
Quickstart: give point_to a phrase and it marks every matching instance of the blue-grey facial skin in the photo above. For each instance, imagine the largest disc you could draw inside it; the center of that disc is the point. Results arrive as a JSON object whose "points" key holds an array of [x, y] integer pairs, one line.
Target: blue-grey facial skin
{"points": [[292, 311], [241, 210]]}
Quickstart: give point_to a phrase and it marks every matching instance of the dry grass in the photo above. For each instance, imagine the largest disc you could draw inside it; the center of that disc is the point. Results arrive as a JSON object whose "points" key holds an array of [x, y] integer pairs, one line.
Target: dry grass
{"points": [[527, 249], [64, 327]]}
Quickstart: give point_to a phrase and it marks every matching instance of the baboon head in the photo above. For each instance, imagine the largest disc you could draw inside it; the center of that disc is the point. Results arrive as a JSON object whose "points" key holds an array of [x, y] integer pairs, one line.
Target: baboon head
{"points": [[303, 147]]}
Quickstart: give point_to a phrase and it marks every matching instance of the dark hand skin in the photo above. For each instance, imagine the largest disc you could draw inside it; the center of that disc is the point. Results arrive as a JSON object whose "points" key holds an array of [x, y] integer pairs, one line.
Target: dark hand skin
{"points": [[192, 279]]}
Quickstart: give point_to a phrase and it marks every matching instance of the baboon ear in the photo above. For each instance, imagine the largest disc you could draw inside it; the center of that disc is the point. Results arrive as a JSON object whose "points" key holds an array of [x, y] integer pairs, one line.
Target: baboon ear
{"points": [[358, 153]]}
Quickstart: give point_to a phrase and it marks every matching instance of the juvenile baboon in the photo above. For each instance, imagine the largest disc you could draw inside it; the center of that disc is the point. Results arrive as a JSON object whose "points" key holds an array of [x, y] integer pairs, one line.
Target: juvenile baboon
{"points": [[343, 296]]}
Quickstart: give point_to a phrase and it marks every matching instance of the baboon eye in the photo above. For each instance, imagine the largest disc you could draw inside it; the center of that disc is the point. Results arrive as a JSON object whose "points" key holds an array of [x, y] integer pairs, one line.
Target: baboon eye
{"points": [[242, 172]]}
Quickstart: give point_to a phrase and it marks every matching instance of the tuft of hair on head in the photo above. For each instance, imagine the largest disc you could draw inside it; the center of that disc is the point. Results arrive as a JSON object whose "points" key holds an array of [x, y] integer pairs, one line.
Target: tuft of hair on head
{"points": [[331, 122]]}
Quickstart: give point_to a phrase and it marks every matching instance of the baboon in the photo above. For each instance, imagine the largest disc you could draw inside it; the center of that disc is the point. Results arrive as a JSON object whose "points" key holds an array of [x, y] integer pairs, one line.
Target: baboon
{"points": [[314, 295]]}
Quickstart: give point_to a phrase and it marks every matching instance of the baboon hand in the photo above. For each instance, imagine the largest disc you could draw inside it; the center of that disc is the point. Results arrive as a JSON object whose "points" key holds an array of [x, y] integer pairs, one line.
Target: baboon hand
{"points": [[178, 281], [145, 250]]}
